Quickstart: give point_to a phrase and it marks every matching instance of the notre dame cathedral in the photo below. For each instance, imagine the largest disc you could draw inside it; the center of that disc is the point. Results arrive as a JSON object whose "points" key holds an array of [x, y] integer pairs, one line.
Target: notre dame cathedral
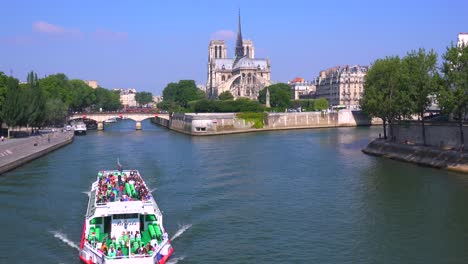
{"points": [[243, 76]]}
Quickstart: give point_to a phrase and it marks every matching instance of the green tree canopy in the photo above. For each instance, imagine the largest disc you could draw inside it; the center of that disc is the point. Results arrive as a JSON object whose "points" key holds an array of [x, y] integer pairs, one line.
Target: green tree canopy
{"points": [[226, 95], [12, 108], [420, 78], [107, 100], [453, 98], [83, 96], [55, 111], [144, 98], [34, 102], [182, 92], [4, 80], [57, 86], [384, 94], [280, 95]]}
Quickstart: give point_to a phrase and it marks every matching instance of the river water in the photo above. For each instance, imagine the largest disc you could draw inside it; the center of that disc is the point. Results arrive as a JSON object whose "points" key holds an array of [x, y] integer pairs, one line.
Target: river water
{"points": [[303, 196]]}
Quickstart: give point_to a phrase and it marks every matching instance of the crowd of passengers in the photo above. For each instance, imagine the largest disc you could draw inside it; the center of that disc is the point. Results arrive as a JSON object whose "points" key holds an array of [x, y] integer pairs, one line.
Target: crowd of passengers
{"points": [[111, 188], [115, 247]]}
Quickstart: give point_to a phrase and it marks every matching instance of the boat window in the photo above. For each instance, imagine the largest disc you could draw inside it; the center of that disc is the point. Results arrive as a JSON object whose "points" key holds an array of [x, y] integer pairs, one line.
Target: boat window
{"points": [[125, 216]]}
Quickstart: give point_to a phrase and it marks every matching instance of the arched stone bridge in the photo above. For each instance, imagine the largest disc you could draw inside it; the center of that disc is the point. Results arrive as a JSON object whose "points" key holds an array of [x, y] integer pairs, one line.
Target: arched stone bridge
{"points": [[101, 117]]}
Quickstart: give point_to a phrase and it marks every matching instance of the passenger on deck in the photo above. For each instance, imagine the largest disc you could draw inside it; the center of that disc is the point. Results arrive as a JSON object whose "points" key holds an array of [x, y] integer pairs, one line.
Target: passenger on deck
{"points": [[119, 252], [104, 248], [112, 253], [141, 250], [149, 248]]}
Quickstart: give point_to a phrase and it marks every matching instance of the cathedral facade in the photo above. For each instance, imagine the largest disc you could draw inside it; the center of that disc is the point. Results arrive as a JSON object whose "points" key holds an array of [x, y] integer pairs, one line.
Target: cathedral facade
{"points": [[243, 75]]}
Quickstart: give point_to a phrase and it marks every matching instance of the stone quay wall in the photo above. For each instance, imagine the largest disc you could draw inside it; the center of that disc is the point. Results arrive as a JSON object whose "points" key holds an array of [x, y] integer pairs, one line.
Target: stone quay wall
{"points": [[444, 135], [17, 152], [228, 123], [421, 155]]}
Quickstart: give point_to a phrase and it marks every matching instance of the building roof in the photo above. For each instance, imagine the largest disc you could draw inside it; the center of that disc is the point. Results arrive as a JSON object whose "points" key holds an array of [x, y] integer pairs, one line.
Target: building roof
{"points": [[297, 80], [246, 62]]}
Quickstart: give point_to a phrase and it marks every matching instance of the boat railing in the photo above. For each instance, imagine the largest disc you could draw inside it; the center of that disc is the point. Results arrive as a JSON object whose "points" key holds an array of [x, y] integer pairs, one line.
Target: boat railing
{"points": [[96, 252]]}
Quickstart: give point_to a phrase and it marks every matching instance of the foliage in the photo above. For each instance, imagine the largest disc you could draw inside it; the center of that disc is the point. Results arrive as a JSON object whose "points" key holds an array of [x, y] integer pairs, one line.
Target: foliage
{"points": [[144, 98], [321, 104], [57, 86], [257, 118], [107, 100], [182, 92], [384, 93], [4, 80], [453, 98], [239, 105], [226, 95], [280, 95], [420, 78], [12, 108], [55, 111], [34, 102], [310, 104], [83, 96]]}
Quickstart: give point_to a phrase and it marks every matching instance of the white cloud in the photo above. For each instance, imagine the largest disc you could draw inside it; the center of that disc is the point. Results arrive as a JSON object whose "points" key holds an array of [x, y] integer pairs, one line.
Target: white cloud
{"points": [[224, 34], [48, 28]]}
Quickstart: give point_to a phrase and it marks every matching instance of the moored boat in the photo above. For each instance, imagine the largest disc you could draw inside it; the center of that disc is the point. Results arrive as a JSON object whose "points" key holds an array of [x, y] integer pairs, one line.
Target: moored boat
{"points": [[123, 223], [111, 120], [79, 128]]}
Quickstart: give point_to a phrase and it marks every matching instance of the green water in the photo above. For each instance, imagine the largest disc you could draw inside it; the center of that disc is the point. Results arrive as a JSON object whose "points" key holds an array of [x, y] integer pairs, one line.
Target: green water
{"points": [[304, 196]]}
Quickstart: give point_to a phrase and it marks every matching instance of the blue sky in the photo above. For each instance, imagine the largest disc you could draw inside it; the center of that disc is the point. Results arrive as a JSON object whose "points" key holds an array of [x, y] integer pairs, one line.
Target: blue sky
{"points": [[147, 44]]}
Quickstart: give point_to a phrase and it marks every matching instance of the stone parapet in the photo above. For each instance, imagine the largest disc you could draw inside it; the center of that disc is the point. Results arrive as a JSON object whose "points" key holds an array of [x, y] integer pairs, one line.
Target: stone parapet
{"points": [[425, 156]]}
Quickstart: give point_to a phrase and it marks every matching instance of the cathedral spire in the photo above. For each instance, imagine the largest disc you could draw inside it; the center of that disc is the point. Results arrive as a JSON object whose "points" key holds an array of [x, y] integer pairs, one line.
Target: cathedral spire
{"points": [[239, 43]]}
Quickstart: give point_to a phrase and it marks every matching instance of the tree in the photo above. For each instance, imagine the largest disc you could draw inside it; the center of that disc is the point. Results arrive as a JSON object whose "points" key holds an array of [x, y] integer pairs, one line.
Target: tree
{"points": [[453, 97], [144, 98], [421, 76], [34, 102], [280, 95], [107, 100], [12, 110], [55, 111], [320, 104], [182, 92], [4, 79], [57, 86], [226, 95], [384, 95], [83, 96]]}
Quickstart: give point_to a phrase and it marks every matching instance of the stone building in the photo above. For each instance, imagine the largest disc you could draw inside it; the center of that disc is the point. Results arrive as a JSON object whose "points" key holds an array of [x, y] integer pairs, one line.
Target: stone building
{"points": [[92, 83], [342, 85], [243, 75], [302, 89], [127, 97], [463, 38]]}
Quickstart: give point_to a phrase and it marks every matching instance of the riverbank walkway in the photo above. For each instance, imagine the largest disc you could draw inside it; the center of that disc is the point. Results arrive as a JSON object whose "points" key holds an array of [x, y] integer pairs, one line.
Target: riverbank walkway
{"points": [[18, 151]]}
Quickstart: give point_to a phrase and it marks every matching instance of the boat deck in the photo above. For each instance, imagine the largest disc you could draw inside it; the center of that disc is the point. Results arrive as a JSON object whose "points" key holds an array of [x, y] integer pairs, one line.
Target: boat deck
{"points": [[121, 186]]}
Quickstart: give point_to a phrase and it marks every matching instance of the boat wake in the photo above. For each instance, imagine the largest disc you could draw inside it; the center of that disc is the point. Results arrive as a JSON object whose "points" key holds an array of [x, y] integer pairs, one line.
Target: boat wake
{"points": [[65, 239], [152, 190], [175, 260], [181, 230], [87, 193]]}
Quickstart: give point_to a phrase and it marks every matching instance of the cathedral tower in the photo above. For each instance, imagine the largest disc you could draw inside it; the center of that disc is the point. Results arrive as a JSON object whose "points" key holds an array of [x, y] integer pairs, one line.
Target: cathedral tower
{"points": [[217, 50], [239, 43]]}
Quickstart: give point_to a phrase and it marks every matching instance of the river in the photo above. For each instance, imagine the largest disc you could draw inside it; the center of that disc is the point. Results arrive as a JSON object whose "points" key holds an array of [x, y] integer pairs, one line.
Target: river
{"points": [[302, 196]]}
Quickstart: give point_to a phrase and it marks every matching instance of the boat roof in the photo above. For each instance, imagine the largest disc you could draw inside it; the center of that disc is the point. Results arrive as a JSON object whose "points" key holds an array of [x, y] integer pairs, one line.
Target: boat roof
{"points": [[120, 192]]}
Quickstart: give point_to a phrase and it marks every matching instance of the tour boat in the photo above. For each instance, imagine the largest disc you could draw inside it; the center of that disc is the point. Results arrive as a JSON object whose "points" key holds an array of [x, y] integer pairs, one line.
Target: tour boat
{"points": [[123, 223], [111, 120], [79, 128]]}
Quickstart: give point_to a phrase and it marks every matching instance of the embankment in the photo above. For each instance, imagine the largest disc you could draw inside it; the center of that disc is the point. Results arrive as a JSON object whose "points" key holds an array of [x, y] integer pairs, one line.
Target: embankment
{"points": [[17, 152], [203, 124], [425, 156]]}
